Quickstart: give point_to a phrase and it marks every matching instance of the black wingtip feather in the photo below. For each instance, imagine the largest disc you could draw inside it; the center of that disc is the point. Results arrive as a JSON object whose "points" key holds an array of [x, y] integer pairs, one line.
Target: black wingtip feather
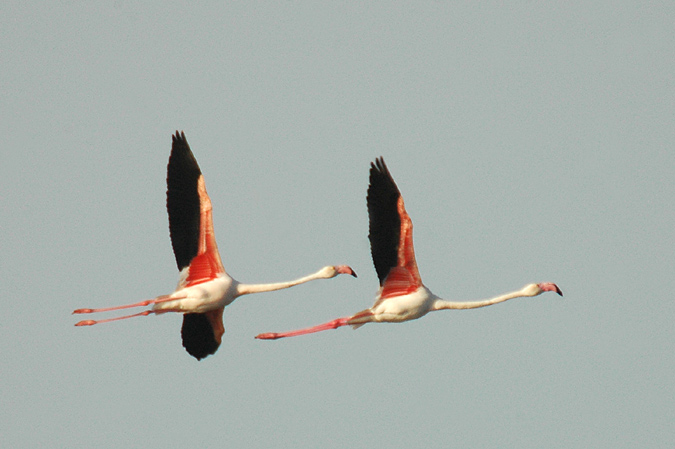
{"points": [[385, 222], [182, 200], [197, 334]]}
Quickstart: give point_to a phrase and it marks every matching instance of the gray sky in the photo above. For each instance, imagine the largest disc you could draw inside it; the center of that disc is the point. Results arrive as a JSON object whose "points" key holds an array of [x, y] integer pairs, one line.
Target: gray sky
{"points": [[531, 143]]}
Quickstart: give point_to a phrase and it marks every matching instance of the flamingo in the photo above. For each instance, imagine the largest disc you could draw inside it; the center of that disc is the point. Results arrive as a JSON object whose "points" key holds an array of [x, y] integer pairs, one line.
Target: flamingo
{"points": [[204, 287], [402, 296]]}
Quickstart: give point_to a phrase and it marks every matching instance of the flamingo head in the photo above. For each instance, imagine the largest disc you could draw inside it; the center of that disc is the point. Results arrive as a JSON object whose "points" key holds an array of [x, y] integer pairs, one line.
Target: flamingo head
{"points": [[332, 271], [538, 289]]}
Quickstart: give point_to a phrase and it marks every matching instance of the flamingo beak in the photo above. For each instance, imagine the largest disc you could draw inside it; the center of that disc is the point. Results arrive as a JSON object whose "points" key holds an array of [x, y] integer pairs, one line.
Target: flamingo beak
{"points": [[550, 287], [344, 269]]}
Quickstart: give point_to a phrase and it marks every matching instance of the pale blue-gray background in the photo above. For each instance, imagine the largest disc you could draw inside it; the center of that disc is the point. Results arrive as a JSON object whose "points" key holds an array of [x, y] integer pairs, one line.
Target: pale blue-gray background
{"points": [[531, 142]]}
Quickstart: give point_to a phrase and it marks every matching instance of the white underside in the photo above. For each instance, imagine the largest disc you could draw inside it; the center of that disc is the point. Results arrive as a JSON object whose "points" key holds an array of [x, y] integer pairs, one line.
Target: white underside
{"points": [[201, 298], [405, 307]]}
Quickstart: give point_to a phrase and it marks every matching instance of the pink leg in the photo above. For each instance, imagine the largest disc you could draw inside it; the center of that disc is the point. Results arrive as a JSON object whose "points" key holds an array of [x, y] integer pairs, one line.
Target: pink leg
{"points": [[92, 322], [310, 330], [147, 302]]}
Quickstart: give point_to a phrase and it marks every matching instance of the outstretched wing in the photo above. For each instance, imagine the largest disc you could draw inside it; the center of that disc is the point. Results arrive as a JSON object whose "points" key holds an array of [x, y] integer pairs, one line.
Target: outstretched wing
{"points": [[202, 332], [390, 234], [194, 244], [190, 218]]}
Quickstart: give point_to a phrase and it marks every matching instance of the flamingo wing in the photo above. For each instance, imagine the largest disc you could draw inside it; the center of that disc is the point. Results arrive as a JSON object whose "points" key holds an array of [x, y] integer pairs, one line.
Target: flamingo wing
{"points": [[194, 244], [190, 218], [202, 332], [390, 234]]}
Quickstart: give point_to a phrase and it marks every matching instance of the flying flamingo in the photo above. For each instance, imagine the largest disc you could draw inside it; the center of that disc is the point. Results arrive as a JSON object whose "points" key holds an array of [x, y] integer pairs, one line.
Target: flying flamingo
{"points": [[204, 288], [402, 295]]}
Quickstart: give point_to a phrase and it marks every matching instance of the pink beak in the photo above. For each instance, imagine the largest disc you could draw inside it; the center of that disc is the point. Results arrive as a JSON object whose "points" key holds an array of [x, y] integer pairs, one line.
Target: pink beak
{"points": [[550, 287], [344, 269]]}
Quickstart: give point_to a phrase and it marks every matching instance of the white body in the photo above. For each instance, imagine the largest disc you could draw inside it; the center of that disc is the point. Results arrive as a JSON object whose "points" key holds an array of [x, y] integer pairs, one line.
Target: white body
{"points": [[403, 308], [200, 298]]}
